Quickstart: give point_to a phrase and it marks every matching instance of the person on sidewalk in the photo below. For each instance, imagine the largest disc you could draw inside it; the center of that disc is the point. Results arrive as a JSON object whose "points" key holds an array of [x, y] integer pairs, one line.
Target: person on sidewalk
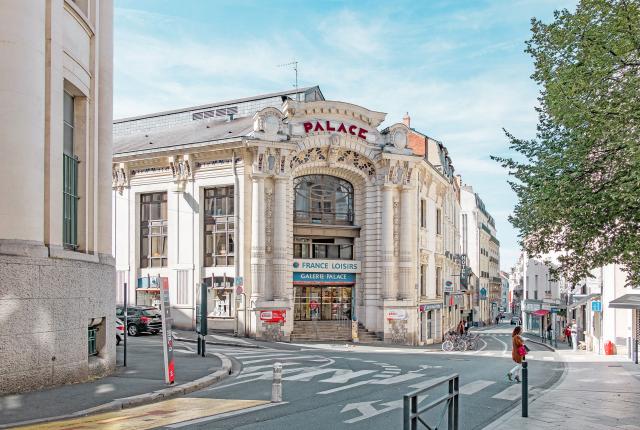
{"points": [[574, 335], [460, 328], [518, 353], [567, 334], [549, 329]]}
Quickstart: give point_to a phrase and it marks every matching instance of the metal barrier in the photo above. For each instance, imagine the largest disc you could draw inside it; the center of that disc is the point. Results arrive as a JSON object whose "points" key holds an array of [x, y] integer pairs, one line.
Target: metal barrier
{"points": [[412, 409]]}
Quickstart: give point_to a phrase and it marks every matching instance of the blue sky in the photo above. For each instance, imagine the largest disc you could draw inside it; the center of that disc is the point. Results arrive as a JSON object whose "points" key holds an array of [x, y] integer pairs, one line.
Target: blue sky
{"points": [[457, 67]]}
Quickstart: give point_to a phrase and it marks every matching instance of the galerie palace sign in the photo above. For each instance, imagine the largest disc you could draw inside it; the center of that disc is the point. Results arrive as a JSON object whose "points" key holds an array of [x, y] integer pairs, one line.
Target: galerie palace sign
{"points": [[353, 130]]}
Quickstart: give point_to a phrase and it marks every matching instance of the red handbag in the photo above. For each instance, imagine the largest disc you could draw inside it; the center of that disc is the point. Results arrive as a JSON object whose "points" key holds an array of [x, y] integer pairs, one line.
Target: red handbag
{"points": [[522, 351]]}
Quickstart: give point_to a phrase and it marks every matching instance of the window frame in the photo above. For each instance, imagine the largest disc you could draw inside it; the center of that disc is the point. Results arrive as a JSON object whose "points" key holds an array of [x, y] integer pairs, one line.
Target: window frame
{"points": [[322, 208], [70, 161], [213, 220], [157, 228]]}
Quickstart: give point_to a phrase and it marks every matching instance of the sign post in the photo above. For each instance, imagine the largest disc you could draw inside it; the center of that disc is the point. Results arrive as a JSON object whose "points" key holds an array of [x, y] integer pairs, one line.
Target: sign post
{"points": [[201, 326], [125, 324], [167, 338]]}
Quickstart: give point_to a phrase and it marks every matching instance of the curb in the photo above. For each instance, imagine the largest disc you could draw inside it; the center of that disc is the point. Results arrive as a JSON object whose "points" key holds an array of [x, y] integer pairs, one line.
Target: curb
{"points": [[143, 399], [550, 348]]}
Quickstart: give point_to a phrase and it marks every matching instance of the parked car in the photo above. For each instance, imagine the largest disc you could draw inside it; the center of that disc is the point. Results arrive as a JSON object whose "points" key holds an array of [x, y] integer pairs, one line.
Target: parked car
{"points": [[515, 320], [119, 331], [141, 319]]}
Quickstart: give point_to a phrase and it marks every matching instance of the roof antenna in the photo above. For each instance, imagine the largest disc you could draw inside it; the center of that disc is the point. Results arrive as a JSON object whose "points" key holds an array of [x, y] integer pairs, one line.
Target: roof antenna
{"points": [[294, 63]]}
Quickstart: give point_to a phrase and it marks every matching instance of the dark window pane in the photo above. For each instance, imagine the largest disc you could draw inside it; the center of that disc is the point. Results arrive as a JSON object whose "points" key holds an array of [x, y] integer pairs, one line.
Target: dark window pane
{"points": [[68, 109], [68, 139]]}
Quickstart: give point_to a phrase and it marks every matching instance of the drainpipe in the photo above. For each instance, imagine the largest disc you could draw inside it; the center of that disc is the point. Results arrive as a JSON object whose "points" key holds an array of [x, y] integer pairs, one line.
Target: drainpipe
{"points": [[236, 234]]}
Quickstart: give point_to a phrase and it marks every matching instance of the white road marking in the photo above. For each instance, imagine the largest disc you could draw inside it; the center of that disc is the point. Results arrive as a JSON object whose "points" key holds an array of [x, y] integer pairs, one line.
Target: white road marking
{"points": [[423, 384], [342, 376], [511, 393], [367, 410], [397, 379], [549, 358], [345, 387], [264, 355], [505, 345], [307, 376], [293, 357], [475, 386], [252, 369]]}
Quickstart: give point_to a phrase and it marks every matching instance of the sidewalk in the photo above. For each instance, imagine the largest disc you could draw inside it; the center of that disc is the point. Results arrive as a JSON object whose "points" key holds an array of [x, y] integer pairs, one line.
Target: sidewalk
{"points": [[142, 381], [596, 392]]}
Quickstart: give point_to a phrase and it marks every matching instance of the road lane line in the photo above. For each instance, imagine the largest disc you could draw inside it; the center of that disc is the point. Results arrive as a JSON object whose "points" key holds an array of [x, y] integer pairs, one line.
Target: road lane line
{"points": [[343, 376], [344, 387], [512, 393], [307, 376], [293, 357], [475, 386], [505, 345], [423, 384], [397, 379]]}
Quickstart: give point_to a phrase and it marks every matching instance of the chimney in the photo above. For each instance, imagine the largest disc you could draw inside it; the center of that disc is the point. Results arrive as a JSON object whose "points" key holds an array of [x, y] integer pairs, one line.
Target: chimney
{"points": [[406, 120]]}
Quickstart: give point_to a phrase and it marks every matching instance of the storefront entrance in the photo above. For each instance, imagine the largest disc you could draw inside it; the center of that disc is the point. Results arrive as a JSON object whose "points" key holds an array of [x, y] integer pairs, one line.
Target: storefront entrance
{"points": [[318, 303]]}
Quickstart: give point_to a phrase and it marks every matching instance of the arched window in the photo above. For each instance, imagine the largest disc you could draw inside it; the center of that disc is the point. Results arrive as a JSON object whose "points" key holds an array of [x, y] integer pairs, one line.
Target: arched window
{"points": [[323, 199]]}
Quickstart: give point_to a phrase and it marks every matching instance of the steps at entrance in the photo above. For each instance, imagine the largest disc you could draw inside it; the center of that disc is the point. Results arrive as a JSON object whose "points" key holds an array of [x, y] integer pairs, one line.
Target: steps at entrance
{"points": [[304, 331], [366, 336]]}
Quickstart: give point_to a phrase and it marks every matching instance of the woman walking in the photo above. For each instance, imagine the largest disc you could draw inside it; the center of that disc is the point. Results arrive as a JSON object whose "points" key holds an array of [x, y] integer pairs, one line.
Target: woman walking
{"points": [[518, 353]]}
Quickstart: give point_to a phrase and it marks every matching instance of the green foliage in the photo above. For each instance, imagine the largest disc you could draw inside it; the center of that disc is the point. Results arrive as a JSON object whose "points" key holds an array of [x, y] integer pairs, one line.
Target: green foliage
{"points": [[578, 181]]}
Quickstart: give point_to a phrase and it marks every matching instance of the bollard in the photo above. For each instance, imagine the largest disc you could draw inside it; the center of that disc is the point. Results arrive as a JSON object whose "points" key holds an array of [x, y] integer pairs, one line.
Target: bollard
{"points": [[525, 389], [276, 388]]}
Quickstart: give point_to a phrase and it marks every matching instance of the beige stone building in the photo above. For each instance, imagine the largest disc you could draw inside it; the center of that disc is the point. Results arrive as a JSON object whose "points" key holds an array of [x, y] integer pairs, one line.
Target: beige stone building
{"points": [[301, 215], [56, 294]]}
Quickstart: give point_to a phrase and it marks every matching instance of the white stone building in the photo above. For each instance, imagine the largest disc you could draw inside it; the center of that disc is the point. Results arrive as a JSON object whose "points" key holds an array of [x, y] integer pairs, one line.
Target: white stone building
{"points": [[56, 295], [482, 247], [297, 212]]}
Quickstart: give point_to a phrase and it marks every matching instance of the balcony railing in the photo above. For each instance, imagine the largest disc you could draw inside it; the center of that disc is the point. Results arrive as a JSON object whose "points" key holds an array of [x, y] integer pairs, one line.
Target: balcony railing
{"points": [[325, 218], [329, 251]]}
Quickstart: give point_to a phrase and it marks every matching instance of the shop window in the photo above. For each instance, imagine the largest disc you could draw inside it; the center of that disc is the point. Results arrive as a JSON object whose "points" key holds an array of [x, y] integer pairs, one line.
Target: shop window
{"points": [[69, 177], [219, 248], [153, 230], [220, 294], [323, 199]]}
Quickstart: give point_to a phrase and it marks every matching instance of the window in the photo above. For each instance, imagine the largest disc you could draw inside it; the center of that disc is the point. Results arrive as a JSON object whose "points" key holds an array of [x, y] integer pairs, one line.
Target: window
{"points": [[153, 230], [323, 199], [438, 281], [423, 280], [91, 338], [465, 234], [340, 248], [423, 213], [69, 178], [219, 249], [438, 221]]}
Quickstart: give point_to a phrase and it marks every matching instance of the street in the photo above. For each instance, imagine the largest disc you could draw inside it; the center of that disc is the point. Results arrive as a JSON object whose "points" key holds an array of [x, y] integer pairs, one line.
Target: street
{"points": [[341, 386]]}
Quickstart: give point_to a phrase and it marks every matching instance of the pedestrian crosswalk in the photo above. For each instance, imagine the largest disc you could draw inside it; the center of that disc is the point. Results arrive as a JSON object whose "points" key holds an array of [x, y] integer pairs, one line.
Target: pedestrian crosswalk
{"points": [[328, 375]]}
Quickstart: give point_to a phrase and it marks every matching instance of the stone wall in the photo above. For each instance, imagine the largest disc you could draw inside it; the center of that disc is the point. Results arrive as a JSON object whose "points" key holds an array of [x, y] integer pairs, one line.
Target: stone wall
{"points": [[46, 305]]}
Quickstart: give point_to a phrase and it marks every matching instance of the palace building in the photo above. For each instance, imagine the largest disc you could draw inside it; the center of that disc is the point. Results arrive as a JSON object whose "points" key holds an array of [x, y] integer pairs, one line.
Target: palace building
{"points": [[304, 217]]}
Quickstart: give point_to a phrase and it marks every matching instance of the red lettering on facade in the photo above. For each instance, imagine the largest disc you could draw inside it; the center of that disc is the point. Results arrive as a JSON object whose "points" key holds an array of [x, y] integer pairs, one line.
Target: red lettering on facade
{"points": [[342, 128], [318, 127], [329, 128], [307, 127], [352, 129], [362, 133]]}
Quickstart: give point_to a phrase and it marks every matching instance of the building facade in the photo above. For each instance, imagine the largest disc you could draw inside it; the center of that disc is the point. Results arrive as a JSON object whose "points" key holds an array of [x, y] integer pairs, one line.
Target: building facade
{"points": [[300, 215], [480, 244], [56, 297]]}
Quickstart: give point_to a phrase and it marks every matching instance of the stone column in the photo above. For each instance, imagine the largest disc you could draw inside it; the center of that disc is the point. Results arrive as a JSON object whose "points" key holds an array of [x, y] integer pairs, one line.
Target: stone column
{"points": [[279, 238], [389, 290], [407, 242], [257, 237], [22, 121]]}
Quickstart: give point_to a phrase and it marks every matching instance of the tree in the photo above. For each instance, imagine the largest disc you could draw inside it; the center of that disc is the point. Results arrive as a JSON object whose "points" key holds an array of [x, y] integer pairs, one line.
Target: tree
{"points": [[578, 181]]}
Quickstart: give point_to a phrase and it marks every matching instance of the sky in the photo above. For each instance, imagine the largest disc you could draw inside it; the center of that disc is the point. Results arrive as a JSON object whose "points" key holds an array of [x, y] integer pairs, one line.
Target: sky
{"points": [[458, 67]]}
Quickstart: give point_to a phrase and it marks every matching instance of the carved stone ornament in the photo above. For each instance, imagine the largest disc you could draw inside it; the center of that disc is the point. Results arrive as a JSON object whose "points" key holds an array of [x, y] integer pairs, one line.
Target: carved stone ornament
{"points": [[399, 139], [120, 178], [268, 220], [180, 169], [396, 227], [267, 123]]}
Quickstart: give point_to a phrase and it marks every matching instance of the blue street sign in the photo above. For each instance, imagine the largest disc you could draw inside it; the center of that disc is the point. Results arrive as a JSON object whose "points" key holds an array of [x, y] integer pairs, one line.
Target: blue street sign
{"points": [[596, 306], [554, 310]]}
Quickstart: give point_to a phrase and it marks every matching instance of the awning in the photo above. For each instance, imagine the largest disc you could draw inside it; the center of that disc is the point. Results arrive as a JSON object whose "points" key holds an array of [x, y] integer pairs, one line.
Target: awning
{"points": [[582, 301], [628, 301], [540, 312]]}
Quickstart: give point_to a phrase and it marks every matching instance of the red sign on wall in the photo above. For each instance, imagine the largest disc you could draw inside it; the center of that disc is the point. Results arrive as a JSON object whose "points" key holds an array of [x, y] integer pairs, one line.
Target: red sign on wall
{"points": [[275, 316]]}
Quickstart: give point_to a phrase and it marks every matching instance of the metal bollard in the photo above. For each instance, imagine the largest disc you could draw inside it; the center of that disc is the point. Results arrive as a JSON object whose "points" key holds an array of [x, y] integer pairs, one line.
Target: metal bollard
{"points": [[276, 387], [525, 389]]}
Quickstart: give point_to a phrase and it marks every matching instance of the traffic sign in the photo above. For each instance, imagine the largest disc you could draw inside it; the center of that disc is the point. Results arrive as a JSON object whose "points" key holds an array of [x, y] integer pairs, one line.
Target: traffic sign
{"points": [[596, 306], [554, 310]]}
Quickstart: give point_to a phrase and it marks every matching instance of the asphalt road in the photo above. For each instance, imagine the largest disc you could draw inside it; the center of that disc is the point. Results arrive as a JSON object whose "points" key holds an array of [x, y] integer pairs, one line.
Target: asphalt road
{"points": [[341, 386]]}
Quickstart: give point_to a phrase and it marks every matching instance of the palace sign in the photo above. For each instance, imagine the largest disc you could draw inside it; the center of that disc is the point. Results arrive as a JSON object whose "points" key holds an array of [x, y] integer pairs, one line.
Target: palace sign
{"points": [[353, 130]]}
